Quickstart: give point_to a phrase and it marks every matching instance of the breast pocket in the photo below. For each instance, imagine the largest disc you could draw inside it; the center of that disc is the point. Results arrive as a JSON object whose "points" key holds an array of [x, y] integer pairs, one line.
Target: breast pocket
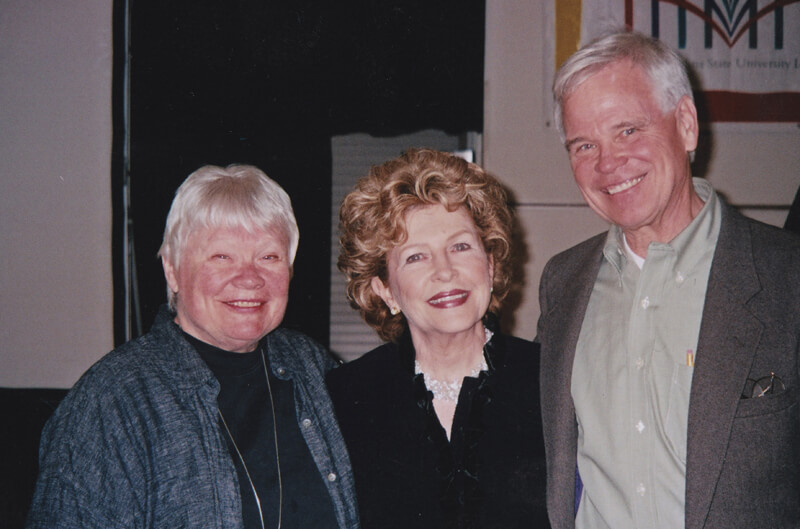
{"points": [[763, 445], [766, 405]]}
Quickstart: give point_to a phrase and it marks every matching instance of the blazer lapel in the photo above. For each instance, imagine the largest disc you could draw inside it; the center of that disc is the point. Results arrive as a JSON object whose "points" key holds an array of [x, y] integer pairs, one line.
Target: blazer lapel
{"points": [[729, 334], [563, 322], [566, 315]]}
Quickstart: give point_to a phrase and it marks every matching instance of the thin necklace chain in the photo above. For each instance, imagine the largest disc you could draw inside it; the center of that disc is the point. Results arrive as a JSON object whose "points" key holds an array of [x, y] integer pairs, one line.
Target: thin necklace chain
{"points": [[277, 454]]}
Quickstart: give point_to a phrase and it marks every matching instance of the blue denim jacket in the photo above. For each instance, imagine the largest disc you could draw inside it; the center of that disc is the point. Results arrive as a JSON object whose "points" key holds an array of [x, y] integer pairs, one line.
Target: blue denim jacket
{"points": [[136, 442]]}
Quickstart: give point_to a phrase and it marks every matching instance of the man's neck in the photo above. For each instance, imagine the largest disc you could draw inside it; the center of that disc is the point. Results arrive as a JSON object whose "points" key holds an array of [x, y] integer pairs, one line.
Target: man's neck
{"points": [[666, 229]]}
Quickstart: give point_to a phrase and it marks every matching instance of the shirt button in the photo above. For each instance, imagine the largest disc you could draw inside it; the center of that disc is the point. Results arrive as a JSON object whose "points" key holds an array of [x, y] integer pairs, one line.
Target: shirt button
{"points": [[679, 278], [639, 363], [306, 423], [640, 489], [332, 476], [645, 302], [640, 426]]}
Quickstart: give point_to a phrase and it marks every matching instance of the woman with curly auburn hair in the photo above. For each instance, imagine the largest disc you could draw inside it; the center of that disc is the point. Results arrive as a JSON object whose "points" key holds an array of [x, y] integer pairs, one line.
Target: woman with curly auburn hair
{"points": [[442, 422]]}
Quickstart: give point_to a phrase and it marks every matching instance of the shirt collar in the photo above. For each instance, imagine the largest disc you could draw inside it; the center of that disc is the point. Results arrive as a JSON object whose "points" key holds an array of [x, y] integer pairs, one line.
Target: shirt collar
{"points": [[700, 233]]}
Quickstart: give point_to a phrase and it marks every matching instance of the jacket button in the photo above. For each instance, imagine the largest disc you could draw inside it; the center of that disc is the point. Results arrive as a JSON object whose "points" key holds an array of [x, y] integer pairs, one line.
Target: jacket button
{"points": [[332, 476], [281, 371], [306, 423]]}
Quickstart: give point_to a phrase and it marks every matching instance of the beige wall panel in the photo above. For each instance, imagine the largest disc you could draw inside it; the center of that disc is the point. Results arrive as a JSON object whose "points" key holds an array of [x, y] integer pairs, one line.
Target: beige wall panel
{"points": [[756, 164], [546, 231], [518, 145], [55, 203]]}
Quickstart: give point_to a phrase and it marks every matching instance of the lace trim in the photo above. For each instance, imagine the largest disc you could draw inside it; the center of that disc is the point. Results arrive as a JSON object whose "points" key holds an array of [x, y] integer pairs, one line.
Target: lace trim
{"points": [[448, 390]]}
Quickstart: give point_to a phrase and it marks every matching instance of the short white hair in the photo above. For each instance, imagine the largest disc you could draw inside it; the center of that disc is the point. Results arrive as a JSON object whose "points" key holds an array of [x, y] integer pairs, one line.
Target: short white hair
{"points": [[237, 196], [663, 66]]}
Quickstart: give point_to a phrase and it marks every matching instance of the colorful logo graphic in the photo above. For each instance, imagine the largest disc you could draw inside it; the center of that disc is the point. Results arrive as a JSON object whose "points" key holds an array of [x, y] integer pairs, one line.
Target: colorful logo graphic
{"points": [[729, 19]]}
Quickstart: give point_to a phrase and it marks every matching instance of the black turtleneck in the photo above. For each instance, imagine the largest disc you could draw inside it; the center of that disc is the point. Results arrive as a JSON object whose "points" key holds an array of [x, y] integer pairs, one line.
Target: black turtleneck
{"points": [[244, 401]]}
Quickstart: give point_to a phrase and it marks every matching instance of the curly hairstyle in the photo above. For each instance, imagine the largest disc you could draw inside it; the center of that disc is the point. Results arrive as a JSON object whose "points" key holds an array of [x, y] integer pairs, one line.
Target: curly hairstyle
{"points": [[372, 221]]}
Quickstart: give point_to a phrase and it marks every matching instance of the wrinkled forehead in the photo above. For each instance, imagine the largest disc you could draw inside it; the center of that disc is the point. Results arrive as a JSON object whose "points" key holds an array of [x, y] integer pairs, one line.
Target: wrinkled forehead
{"points": [[622, 72], [237, 229], [199, 232], [613, 97]]}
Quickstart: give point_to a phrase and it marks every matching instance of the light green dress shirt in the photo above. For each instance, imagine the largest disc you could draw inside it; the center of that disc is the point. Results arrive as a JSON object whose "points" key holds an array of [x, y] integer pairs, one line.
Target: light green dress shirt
{"points": [[633, 372]]}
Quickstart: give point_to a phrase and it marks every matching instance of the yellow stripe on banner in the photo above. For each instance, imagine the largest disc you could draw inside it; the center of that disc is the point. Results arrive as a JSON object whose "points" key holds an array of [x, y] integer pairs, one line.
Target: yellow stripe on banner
{"points": [[568, 29]]}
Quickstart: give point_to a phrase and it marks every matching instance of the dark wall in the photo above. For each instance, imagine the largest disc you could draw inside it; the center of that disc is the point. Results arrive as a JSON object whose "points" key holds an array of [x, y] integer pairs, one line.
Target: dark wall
{"points": [[268, 83], [25, 412]]}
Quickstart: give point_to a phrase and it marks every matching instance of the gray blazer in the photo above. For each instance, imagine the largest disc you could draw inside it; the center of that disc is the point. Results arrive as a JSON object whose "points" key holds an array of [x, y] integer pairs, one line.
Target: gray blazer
{"points": [[743, 455]]}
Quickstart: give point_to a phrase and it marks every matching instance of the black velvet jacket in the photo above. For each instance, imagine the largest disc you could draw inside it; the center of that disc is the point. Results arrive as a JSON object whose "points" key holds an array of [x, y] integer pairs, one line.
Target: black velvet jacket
{"points": [[491, 474]]}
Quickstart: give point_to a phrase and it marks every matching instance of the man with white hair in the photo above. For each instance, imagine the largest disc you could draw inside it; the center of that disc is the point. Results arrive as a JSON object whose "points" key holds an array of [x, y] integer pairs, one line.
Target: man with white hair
{"points": [[670, 343]]}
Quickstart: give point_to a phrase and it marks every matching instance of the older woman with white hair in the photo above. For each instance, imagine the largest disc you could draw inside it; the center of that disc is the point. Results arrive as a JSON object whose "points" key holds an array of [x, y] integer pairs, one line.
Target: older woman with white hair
{"points": [[217, 417]]}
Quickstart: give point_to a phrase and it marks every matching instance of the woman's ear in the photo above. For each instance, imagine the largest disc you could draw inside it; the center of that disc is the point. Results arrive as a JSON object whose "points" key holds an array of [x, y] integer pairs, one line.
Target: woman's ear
{"points": [[383, 292], [170, 274]]}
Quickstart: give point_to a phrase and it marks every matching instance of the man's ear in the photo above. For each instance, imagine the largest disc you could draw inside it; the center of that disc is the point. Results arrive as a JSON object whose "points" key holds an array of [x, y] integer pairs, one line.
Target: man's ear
{"points": [[170, 274], [686, 120]]}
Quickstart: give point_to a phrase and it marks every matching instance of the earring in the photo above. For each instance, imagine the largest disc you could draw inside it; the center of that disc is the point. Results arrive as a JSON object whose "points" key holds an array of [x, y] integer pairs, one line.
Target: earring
{"points": [[394, 310]]}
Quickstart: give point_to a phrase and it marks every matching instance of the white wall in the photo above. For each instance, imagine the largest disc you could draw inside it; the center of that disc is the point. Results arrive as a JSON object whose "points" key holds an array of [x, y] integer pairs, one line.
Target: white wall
{"points": [[752, 165], [55, 196]]}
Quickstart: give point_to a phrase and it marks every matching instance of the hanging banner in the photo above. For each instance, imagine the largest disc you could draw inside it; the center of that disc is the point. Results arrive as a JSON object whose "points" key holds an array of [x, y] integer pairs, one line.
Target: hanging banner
{"points": [[744, 55]]}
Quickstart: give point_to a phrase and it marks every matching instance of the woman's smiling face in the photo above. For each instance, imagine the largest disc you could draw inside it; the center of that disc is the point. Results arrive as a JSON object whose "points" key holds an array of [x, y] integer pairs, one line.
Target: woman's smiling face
{"points": [[232, 286], [441, 276]]}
